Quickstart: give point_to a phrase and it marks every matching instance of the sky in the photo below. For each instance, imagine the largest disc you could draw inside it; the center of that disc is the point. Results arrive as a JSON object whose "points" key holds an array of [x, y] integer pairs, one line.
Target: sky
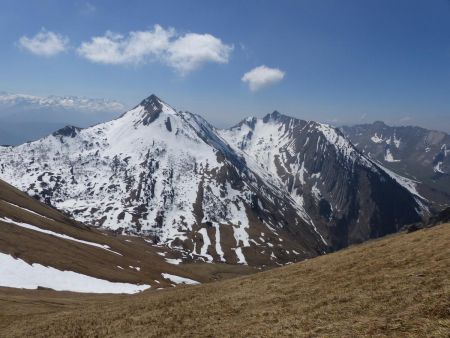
{"points": [[336, 61]]}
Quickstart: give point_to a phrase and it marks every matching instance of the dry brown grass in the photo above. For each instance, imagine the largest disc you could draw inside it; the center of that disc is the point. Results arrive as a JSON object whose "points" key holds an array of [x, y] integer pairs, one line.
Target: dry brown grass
{"points": [[397, 286]]}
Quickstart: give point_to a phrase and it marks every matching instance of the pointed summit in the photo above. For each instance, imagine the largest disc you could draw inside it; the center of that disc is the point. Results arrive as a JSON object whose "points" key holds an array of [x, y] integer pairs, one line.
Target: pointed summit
{"points": [[274, 116], [151, 102], [153, 106]]}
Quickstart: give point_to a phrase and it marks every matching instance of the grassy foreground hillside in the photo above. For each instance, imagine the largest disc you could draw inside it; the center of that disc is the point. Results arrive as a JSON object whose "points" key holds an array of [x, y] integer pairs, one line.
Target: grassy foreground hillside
{"points": [[396, 286]]}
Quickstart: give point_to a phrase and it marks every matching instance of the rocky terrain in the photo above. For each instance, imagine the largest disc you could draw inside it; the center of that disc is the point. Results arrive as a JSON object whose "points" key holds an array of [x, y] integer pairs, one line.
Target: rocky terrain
{"points": [[420, 154]]}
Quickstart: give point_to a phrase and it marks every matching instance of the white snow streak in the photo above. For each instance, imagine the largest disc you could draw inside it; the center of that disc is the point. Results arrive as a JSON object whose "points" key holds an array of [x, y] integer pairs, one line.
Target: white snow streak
{"points": [[16, 273], [55, 234], [178, 280]]}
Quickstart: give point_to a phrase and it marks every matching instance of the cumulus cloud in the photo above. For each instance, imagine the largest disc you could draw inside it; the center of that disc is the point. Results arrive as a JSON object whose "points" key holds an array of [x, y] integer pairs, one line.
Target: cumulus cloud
{"points": [[44, 43], [262, 76], [184, 53], [192, 50], [135, 48]]}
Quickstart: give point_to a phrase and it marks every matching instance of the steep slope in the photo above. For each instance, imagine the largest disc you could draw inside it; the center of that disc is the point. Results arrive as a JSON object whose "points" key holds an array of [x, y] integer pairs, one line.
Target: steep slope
{"points": [[395, 287], [40, 247], [267, 192], [336, 189], [414, 152]]}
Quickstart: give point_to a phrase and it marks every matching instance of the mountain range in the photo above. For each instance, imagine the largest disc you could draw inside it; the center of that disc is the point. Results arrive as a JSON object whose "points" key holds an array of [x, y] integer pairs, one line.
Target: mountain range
{"points": [[29, 117], [420, 154], [267, 191]]}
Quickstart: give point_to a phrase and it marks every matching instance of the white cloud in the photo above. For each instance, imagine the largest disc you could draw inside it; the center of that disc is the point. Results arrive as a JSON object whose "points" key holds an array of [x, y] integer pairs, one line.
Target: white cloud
{"points": [[183, 53], [45, 43], [262, 76], [190, 51], [137, 47]]}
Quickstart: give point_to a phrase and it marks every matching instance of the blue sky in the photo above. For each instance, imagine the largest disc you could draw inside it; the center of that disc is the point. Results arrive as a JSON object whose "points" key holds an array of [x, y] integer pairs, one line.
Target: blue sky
{"points": [[334, 61]]}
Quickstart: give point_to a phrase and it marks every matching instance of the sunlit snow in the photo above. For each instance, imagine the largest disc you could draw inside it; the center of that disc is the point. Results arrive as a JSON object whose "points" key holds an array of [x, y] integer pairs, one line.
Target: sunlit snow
{"points": [[16, 273]]}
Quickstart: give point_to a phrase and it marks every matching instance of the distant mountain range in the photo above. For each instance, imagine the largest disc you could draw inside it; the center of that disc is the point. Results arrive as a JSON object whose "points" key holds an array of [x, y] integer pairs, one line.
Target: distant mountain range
{"points": [[420, 154], [265, 192], [27, 117]]}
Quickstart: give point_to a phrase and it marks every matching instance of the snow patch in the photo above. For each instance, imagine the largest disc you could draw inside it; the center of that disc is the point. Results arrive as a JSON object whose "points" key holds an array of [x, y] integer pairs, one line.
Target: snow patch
{"points": [[388, 157], [206, 244], [174, 261], [55, 234], [178, 280], [377, 139], [16, 273]]}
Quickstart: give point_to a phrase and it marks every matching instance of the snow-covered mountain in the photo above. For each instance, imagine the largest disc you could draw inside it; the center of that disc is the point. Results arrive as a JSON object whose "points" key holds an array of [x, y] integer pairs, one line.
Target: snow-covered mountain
{"points": [[420, 154], [59, 102], [267, 191]]}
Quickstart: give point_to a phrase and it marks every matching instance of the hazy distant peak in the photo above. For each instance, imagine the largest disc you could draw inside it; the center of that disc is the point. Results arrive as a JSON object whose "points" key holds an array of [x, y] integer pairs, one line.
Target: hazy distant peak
{"points": [[61, 102]]}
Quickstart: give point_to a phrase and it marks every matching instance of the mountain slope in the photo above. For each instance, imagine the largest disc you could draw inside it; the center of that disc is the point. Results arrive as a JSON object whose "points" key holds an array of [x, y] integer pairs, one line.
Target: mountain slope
{"points": [[347, 197], [64, 253], [420, 154], [172, 176], [396, 286]]}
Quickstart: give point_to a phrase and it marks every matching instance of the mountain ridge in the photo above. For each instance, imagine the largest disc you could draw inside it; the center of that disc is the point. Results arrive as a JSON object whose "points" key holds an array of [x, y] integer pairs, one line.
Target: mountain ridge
{"points": [[410, 151], [174, 176]]}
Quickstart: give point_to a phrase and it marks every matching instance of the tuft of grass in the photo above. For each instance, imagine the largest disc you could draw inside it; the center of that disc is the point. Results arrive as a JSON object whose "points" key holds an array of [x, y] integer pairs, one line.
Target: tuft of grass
{"points": [[396, 286]]}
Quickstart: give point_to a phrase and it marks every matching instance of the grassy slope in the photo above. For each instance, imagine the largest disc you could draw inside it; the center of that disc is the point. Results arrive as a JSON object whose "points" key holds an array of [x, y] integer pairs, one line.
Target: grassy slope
{"points": [[396, 286], [36, 247]]}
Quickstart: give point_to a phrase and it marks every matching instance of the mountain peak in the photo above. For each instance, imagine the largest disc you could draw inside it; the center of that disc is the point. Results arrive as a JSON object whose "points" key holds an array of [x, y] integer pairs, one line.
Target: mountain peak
{"points": [[152, 106], [275, 116], [151, 103]]}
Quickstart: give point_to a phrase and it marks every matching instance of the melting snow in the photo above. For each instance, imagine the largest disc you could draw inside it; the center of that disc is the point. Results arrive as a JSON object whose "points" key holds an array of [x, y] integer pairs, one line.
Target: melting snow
{"points": [[388, 157], [55, 234], [396, 142], [218, 246], [16, 273], [27, 210], [376, 139], [174, 261], [240, 256], [206, 244], [178, 280], [438, 168]]}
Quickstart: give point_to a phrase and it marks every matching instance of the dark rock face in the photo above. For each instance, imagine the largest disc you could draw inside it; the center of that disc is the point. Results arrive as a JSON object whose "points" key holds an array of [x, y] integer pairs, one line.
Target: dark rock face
{"points": [[442, 217], [417, 153], [153, 107], [68, 131], [168, 124]]}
